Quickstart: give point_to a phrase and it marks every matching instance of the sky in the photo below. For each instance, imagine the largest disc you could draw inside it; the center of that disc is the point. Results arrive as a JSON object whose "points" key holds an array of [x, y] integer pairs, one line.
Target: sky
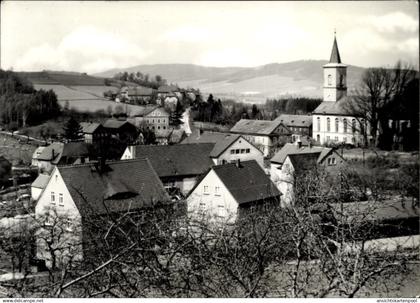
{"points": [[94, 36]]}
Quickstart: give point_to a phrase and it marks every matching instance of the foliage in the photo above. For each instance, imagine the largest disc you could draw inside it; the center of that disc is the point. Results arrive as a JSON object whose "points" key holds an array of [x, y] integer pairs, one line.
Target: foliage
{"points": [[141, 79], [292, 105], [73, 131]]}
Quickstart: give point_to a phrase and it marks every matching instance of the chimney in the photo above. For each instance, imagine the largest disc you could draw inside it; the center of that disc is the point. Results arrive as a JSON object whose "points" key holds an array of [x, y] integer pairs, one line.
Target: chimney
{"points": [[238, 163], [299, 143], [101, 165], [198, 133]]}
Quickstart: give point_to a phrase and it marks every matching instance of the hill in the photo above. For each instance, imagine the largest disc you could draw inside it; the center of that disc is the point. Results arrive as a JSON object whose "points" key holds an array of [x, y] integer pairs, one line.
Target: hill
{"points": [[250, 84]]}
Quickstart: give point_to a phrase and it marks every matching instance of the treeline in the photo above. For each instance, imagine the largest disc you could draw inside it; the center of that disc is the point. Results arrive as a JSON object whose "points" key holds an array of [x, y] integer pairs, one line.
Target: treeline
{"points": [[140, 79], [295, 105], [22, 105]]}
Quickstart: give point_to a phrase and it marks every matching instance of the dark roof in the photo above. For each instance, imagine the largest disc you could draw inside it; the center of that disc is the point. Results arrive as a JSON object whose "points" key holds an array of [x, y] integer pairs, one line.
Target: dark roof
{"points": [[259, 127], [247, 182], [295, 120], [139, 91], [335, 54], [57, 150], [177, 160], [293, 149], [173, 135], [222, 141], [168, 89], [123, 185], [89, 127], [304, 162], [112, 123]]}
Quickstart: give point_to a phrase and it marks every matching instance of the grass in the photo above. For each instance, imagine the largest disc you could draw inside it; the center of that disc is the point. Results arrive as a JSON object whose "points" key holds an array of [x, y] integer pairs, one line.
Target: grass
{"points": [[15, 151]]}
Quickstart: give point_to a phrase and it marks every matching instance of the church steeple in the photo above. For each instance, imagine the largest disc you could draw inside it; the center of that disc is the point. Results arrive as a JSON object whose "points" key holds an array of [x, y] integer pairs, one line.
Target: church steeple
{"points": [[335, 74], [335, 54]]}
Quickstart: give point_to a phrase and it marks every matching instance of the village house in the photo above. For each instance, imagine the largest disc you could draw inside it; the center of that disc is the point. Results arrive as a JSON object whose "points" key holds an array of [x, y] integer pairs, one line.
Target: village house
{"points": [[76, 194], [228, 147], [227, 189], [299, 125], [264, 134], [137, 94], [178, 166], [94, 133], [36, 154], [59, 153], [152, 117], [295, 159], [169, 136], [332, 121], [124, 131], [166, 90]]}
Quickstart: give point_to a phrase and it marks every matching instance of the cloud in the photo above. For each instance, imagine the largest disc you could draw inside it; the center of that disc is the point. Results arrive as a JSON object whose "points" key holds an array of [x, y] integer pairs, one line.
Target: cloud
{"points": [[85, 49], [188, 34], [393, 22]]}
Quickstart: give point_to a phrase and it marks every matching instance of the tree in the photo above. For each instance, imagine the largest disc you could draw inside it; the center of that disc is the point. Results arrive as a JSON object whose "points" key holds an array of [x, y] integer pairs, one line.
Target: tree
{"points": [[378, 89], [176, 115], [72, 130]]}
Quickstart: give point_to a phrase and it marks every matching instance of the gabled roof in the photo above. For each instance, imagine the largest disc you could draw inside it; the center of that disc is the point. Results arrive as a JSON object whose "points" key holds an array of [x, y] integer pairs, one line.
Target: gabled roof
{"points": [[304, 162], [141, 111], [177, 160], [168, 89], [123, 185], [41, 181], [115, 124], [89, 127], [295, 120], [173, 135], [258, 127], [222, 141], [293, 149], [247, 182], [335, 54], [57, 150], [139, 91]]}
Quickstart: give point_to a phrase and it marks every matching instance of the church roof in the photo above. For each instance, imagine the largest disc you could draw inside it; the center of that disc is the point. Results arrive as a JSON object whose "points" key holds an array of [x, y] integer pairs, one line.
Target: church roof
{"points": [[335, 54], [337, 108]]}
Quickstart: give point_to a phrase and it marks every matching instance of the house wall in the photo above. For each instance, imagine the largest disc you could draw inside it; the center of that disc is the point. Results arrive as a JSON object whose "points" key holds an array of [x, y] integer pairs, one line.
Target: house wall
{"points": [[158, 119], [128, 153], [214, 205], [35, 193], [72, 236], [230, 155], [282, 177], [334, 87], [323, 136], [45, 165], [264, 143], [184, 184]]}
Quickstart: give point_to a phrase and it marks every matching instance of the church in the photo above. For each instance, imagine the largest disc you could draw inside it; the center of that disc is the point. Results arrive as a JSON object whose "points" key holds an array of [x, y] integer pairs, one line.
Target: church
{"points": [[332, 123]]}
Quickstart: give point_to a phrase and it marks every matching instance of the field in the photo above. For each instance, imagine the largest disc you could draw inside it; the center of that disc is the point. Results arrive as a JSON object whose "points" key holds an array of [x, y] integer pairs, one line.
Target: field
{"points": [[63, 78]]}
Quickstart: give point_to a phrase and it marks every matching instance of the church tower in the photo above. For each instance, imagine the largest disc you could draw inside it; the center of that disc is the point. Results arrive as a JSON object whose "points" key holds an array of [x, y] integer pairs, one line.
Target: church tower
{"points": [[335, 74]]}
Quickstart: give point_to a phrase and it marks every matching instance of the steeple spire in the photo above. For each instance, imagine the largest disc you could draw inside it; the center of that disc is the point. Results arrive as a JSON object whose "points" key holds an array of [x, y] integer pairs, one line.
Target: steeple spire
{"points": [[335, 54]]}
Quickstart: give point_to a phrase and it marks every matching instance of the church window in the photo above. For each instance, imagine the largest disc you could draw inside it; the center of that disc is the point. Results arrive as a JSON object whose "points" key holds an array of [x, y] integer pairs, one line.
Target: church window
{"points": [[329, 80], [318, 122], [328, 125], [336, 125], [344, 125], [341, 80]]}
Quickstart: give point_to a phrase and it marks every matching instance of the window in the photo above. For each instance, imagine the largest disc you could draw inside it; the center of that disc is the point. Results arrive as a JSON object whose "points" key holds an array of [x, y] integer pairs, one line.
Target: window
{"points": [[52, 197], [318, 123], [344, 125], [56, 178], [318, 138], [345, 139], [158, 120], [328, 138], [329, 80], [341, 80], [238, 151], [336, 125], [217, 190], [353, 126], [49, 221], [248, 150], [333, 162], [158, 127], [164, 127], [328, 125], [206, 190], [232, 151], [336, 138], [60, 199], [242, 151]]}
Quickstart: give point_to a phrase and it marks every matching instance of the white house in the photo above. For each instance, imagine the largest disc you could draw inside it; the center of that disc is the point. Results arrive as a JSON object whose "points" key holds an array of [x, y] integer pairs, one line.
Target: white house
{"points": [[295, 157], [226, 189], [264, 134], [75, 194], [228, 148], [332, 121], [36, 154]]}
